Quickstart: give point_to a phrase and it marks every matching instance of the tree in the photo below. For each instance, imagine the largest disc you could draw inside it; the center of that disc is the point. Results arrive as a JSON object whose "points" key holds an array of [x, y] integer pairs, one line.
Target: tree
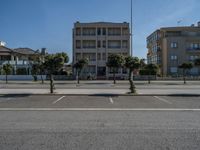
{"points": [[64, 55], [150, 69], [132, 63], [197, 62], [51, 64], [79, 67], [185, 67], [35, 71], [115, 61], [142, 63], [7, 68], [38, 68]]}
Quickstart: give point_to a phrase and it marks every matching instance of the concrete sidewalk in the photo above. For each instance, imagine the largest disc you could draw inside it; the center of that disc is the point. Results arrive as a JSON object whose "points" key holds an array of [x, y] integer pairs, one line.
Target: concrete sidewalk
{"points": [[66, 91], [195, 92]]}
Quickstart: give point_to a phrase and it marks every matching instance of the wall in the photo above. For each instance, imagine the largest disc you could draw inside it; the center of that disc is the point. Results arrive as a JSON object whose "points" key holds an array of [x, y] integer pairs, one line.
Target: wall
{"points": [[21, 77]]}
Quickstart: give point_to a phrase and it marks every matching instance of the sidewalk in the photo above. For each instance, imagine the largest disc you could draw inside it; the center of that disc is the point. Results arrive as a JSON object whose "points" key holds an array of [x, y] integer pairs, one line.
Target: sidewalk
{"points": [[195, 92], [104, 88], [66, 91]]}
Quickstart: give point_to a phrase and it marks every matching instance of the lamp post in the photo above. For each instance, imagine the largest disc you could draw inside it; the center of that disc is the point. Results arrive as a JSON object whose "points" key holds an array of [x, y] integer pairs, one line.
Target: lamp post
{"points": [[131, 28]]}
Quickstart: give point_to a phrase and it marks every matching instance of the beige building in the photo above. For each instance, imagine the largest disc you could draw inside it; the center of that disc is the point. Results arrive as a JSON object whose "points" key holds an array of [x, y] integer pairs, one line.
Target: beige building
{"points": [[96, 41], [169, 47]]}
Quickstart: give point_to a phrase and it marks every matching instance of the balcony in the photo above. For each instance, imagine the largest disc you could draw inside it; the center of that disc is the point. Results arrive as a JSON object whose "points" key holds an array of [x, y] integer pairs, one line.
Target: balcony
{"points": [[193, 50]]}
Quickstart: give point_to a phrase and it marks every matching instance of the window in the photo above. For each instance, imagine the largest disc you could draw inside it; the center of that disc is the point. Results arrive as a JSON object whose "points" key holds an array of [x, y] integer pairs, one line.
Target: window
{"points": [[124, 44], [99, 44], [114, 31], [78, 44], [89, 44], [89, 31], [114, 44], [78, 31], [104, 31], [99, 56], [124, 70], [78, 56], [194, 46], [173, 70], [104, 44], [125, 31], [192, 58], [90, 56], [104, 56], [173, 57], [174, 45], [99, 31]]}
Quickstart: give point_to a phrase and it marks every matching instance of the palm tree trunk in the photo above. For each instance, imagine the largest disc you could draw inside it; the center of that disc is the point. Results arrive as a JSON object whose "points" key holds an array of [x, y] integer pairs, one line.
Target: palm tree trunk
{"points": [[6, 79], [184, 78], [42, 78], [132, 85], [51, 83], [149, 80], [114, 78], [78, 80]]}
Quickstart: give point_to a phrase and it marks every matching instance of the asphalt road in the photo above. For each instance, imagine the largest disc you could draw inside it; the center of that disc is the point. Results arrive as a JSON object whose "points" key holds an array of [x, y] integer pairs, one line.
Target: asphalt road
{"points": [[103, 123]]}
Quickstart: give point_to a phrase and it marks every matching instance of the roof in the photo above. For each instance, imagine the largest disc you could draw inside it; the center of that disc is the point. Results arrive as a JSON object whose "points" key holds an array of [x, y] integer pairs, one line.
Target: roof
{"points": [[183, 28], [26, 51], [5, 49], [101, 23]]}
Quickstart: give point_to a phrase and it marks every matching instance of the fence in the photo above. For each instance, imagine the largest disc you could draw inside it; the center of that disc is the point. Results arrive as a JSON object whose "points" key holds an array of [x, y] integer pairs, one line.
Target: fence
{"points": [[21, 77]]}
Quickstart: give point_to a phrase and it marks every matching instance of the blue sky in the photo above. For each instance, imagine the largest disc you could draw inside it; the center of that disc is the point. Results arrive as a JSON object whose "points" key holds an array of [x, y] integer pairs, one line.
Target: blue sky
{"points": [[48, 23]]}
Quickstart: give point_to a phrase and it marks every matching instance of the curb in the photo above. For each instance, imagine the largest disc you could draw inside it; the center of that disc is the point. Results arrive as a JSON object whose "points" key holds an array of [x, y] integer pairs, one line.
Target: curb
{"points": [[55, 94]]}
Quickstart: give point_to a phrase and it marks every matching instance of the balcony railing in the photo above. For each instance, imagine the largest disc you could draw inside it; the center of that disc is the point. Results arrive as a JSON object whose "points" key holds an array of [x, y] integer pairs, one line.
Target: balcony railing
{"points": [[193, 49], [20, 62]]}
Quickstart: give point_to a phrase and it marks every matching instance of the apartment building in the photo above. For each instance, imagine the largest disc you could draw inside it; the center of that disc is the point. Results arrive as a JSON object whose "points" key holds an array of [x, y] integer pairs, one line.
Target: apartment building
{"points": [[171, 46], [96, 41]]}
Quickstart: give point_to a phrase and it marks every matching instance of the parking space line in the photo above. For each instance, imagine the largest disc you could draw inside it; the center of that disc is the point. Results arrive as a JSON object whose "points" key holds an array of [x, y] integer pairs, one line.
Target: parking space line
{"points": [[163, 100], [58, 100], [111, 100]]}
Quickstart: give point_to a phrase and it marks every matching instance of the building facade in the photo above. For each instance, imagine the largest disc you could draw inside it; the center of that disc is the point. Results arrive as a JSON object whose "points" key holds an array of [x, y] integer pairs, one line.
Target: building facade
{"points": [[21, 59], [172, 46], [96, 41]]}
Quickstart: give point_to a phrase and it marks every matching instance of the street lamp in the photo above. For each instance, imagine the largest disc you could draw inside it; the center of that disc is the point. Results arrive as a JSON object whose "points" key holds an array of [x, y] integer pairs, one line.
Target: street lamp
{"points": [[131, 27]]}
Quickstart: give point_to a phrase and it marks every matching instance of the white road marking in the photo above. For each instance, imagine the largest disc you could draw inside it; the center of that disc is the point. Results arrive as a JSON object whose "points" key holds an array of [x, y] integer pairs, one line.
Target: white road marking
{"points": [[163, 100], [58, 100], [111, 100], [98, 109]]}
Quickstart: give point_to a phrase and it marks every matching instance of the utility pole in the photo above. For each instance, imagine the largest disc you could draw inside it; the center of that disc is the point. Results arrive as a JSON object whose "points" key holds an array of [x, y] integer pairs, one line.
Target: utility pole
{"points": [[131, 28]]}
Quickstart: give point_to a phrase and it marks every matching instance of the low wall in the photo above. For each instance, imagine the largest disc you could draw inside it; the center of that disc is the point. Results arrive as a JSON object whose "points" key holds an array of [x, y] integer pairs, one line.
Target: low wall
{"points": [[21, 77]]}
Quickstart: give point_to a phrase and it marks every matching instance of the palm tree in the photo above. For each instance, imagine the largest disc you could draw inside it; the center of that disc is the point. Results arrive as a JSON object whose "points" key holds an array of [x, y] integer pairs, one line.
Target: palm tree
{"points": [[151, 69], [79, 67], [142, 63], [132, 63], [7, 68], [185, 67], [115, 61], [52, 64]]}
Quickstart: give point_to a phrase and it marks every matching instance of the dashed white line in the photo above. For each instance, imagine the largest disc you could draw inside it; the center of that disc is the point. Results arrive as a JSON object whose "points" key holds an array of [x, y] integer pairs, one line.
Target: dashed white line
{"points": [[111, 100], [163, 100], [58, 100]]}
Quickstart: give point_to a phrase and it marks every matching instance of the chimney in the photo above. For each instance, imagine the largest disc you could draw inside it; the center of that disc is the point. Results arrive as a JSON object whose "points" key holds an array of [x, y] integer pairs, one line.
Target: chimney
{"points": [[2, 43], [43, 51], [198, 24]]}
